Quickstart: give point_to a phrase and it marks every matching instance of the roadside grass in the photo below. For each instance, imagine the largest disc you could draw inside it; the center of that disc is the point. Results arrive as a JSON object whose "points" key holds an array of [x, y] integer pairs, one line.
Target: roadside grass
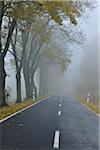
{"points": [[8, 110], [93, 106]]}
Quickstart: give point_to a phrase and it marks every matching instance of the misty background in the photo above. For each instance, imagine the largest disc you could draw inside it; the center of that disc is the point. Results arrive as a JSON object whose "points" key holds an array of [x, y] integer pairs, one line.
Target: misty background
{"points": [[81, 76]]}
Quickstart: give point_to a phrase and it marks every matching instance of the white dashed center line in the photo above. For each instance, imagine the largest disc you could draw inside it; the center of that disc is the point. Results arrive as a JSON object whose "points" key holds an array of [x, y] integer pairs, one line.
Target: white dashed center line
{"points": [[59, 105], [56, 140], [59, 113]]}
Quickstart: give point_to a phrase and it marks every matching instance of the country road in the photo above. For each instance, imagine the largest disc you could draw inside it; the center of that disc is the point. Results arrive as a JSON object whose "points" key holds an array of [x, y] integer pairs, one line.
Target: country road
{"points": [[59, 122]]}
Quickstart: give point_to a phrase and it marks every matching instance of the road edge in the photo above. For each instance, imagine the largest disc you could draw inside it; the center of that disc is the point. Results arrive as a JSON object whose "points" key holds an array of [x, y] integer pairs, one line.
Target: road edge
{"points": [[89, 109], [18, 112]]}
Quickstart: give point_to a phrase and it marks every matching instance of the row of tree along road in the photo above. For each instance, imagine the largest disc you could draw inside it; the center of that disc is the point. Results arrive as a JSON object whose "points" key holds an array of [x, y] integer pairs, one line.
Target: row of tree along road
{"points": [[26, 30]]}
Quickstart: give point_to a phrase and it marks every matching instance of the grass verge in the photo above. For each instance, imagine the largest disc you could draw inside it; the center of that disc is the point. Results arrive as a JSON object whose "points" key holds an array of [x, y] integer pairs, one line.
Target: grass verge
{"points": [[7, 111], [93, 106]]}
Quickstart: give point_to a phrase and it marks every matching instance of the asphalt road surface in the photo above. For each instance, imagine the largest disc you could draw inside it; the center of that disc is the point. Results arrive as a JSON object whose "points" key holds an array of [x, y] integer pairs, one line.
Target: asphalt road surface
{"points": [[59, 122]]}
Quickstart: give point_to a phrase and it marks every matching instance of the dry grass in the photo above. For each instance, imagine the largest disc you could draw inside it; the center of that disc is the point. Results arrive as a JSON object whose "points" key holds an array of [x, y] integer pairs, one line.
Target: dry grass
{"points": [[6, 111], [93, 106]]}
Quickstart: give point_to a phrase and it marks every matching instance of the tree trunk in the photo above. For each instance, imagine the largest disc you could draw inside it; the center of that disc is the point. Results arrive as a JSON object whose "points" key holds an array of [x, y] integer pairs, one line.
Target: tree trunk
{"points": [[3, 53], [2, 81], [31, 89], [34, 87], [18, 86], [27, 84], [29, 94]]}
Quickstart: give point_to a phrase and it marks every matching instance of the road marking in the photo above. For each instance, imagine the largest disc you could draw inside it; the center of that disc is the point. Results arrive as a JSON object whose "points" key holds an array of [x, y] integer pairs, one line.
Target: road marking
{"points": [[56, 140], [59, 113], [59, 105], [14, 114]]}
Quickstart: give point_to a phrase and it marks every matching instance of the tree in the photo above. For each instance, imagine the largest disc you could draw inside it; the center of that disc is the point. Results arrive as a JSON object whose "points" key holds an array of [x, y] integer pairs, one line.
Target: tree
{"points": [[31, 63], [24, 11], [38, 36], [13, 11], [19, 52], [3, 51], [18, 67]]}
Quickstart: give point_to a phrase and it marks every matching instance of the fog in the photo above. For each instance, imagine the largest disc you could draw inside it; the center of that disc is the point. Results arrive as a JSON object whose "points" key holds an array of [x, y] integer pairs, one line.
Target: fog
{"points": [[82, 74], [80, 77]]}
